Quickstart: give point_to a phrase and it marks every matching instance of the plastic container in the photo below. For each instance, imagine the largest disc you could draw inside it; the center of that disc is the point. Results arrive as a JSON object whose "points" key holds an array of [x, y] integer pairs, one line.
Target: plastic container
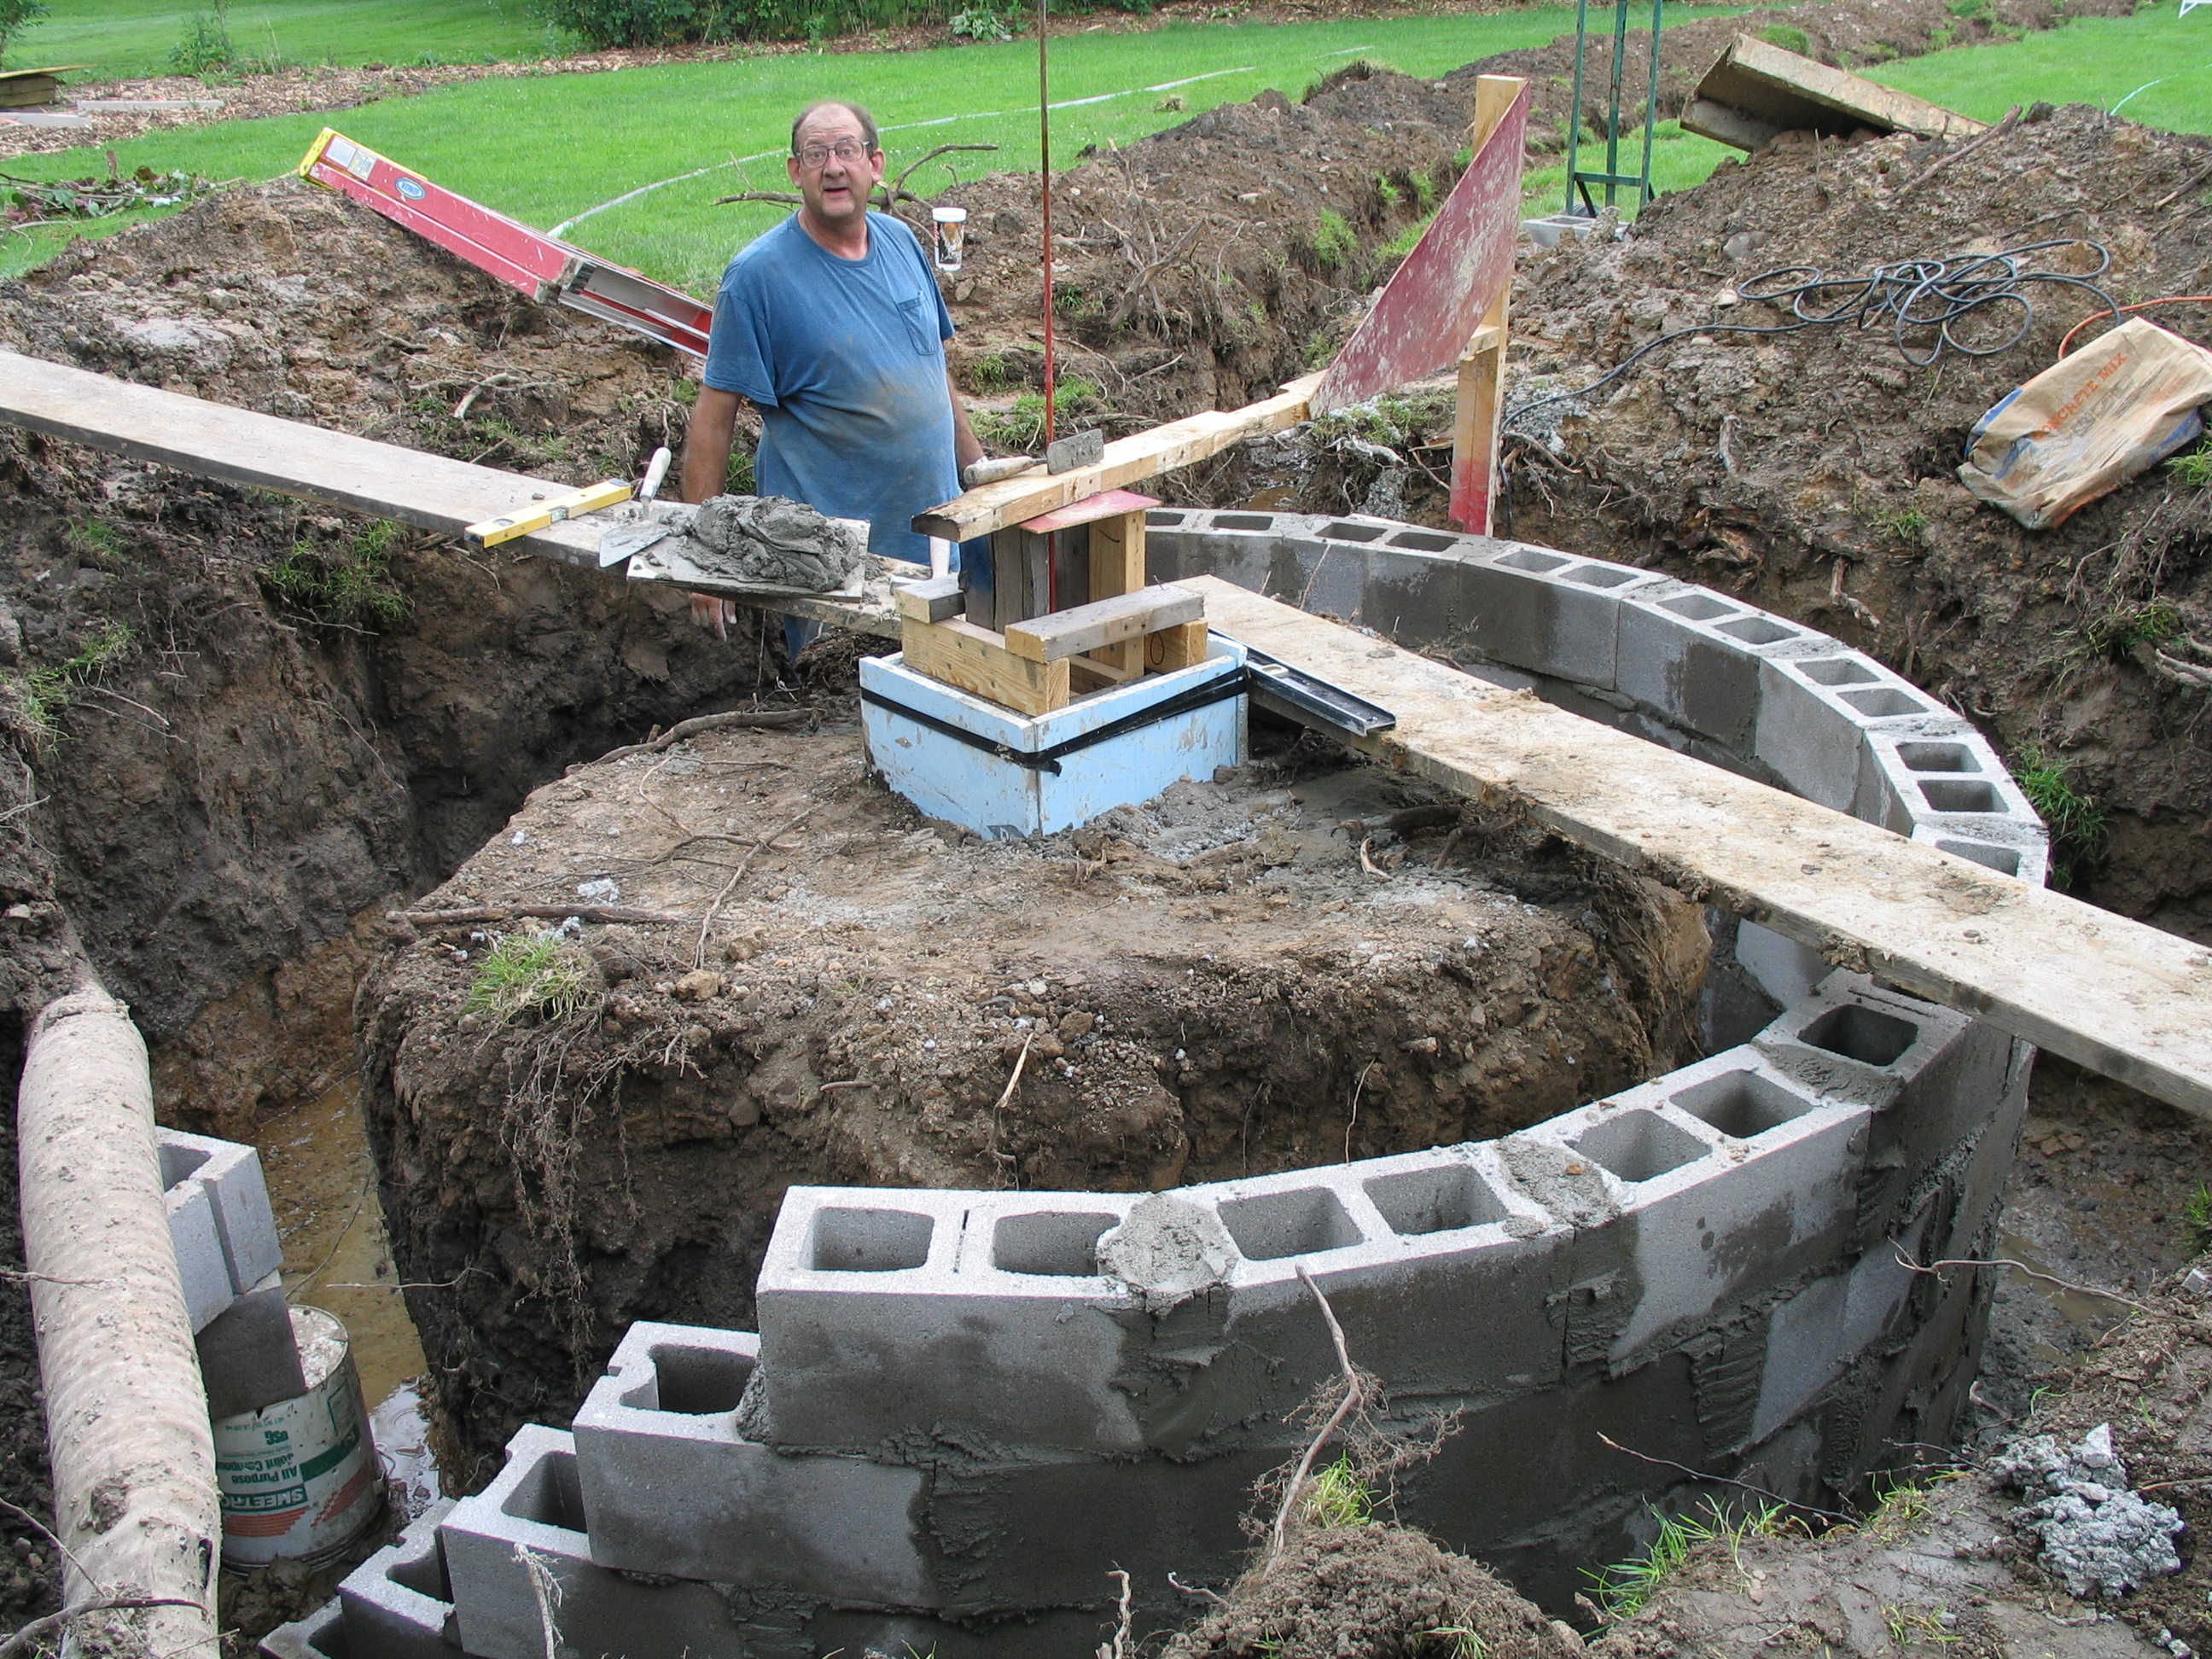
{"points": [[300, 1480], [952, 228]]}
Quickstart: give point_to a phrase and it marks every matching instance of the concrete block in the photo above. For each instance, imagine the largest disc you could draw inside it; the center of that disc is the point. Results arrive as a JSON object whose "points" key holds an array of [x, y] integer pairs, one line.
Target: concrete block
{"points": [[1719, 1181], [248, 1355], [535, 1505], [231, 1172], [1549, 613], [1415, 591], [1694, 655], [1784, 969], [200, 1263], [1332, 574], [884, 1312], [320, 1635], [670, 1486], [398, 1604], [1810, 741], [1815, 1336]]}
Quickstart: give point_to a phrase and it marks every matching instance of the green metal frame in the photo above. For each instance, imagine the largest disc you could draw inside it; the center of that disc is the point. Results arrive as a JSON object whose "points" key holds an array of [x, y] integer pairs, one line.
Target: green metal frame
{"points": [[1579, 180]]}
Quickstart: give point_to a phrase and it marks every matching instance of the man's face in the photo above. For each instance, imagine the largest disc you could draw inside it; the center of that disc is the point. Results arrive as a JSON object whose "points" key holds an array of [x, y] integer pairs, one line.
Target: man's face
{"points": [[835, 191]]}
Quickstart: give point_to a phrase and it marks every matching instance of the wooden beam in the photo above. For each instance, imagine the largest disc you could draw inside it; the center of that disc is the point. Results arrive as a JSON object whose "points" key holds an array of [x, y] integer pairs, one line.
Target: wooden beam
{"points": [[1117, 566], [1102, 623], [976, 659], [1180, 646], [1754, 91], [1129, 460], [2114, 995], [939, 599], [263, 451]]}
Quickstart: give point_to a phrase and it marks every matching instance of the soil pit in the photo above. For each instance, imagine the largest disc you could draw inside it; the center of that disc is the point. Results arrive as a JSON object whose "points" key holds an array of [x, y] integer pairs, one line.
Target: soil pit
{"points": [[1207, 986]]}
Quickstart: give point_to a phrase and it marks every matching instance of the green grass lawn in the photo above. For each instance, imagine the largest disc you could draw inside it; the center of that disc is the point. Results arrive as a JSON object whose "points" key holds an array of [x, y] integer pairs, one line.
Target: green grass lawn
{"points": [[122, 38], [547, 148], [2157, 64]]}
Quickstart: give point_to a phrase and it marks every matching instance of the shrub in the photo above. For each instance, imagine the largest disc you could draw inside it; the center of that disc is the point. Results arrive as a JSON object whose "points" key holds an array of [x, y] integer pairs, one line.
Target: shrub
{"points": [[205, 45], [15, 13], [668, 23]]}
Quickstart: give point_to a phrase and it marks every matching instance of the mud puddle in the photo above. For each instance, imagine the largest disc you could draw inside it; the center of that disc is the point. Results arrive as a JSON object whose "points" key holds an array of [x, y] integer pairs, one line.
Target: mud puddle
{"points": [[322, 1185]]}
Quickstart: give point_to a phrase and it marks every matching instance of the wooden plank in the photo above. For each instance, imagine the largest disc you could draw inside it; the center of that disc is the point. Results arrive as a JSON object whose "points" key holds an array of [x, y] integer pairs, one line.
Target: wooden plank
{"points": [[1117, 566], [263, 451], [939, 599], [1129, 460], [975, 660], [1760, 90], [1481, 397], [311, 464], [1106, 504], [2114, 995], [1446, 286], [1083, 628], [1176, 648]]}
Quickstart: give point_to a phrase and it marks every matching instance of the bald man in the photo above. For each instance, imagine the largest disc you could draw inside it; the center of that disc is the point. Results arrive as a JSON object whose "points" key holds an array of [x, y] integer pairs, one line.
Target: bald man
{"points": [[832, 325]]}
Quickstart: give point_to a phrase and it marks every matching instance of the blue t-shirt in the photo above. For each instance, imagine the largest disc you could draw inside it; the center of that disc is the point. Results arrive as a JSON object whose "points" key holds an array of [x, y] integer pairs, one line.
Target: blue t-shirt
{"points": [[846, 360]]}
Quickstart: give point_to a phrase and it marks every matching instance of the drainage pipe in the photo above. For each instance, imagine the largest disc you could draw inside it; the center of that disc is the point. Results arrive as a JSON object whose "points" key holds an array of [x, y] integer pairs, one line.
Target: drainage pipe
{"points": [[127, 1428]]}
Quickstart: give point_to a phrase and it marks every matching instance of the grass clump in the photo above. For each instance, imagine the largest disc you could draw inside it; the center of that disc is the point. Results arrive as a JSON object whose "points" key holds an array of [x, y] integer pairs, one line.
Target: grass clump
{"points": [[519, 975], [2194, 469], [988, 372], [2119, 631], [346, 586], [1907, 524], [1335, 241], [45, 691], [1788, 37], [1335, 1498], [2197, 1217], [1019, 427], [2076, 823]]}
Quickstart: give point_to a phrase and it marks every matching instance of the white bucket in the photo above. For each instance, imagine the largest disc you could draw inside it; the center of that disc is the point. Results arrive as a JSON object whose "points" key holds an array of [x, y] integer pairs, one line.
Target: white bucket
{"points": [[299, 1480]]}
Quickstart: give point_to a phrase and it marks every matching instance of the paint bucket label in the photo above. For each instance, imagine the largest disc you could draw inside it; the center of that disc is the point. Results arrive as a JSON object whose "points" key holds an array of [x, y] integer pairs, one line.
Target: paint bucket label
{"points": [[951, 226], [299, 1479]]}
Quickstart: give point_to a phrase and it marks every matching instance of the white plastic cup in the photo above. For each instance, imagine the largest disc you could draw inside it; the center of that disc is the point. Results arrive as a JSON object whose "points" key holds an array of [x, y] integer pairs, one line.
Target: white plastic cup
{"points": [[951, 225], [299, 1479]]}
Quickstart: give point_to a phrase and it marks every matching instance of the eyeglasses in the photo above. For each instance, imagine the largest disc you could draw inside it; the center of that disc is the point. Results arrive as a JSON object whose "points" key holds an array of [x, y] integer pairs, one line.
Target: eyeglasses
{"points": [[847, 150]]}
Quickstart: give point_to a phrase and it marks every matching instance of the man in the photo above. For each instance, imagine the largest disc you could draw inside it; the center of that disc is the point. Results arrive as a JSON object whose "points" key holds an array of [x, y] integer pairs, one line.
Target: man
{"points": [[832, 324]]}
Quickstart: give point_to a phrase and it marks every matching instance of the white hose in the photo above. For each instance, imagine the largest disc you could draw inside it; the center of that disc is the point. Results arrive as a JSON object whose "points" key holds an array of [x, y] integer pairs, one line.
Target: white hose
{"points": [[127, 1429]]}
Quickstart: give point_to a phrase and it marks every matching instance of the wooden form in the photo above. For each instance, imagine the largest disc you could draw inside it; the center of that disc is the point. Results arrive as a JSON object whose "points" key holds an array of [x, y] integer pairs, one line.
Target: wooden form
{"points": [[1122, 630], [1755, 92], [2114, 995], [1129, 460], [1481, 391]]}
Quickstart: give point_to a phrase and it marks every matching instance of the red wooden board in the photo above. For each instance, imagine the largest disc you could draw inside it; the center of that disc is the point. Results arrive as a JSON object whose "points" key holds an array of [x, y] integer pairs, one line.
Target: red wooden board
{"points": [[1424, 321], [1104, 505]]}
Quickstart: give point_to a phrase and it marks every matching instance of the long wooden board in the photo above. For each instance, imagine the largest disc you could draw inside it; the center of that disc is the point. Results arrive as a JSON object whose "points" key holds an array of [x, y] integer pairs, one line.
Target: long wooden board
{"points": [[2125, 999], [264, 451], [1032, 494]]}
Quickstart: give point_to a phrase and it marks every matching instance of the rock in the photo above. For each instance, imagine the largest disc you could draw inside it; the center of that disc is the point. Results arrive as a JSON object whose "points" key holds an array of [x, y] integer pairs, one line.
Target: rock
{"points": [[1076, 1023], [699, 985]]}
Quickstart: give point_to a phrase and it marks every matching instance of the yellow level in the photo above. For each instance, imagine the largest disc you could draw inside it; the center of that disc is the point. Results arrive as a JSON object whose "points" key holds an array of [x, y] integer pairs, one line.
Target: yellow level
{"points": [[492, 531]]}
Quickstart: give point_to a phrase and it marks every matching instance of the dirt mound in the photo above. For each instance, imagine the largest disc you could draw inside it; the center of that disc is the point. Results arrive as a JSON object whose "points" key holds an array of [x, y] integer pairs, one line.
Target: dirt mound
{"points": [[1206, 987], [288, 299], [1375, 1591]]}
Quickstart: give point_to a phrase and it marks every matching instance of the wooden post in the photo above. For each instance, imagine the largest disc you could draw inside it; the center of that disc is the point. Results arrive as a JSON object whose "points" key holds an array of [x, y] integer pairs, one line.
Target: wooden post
{"points": [[1117, 567], [1482, 368]]}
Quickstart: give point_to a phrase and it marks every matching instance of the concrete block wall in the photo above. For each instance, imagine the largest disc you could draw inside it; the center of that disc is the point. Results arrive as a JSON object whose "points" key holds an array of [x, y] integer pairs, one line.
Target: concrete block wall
{"points": [[1781, 700], [962, 1408]]}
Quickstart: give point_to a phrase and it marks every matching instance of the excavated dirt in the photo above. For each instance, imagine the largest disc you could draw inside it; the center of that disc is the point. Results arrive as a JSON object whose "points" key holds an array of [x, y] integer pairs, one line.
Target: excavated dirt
{"points": [[1375, 1591], [1206, 987]]}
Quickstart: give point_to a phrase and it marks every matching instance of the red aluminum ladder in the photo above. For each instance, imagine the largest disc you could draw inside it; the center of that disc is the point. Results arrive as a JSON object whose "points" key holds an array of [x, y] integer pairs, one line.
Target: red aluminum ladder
{"points": [[549, 271]]}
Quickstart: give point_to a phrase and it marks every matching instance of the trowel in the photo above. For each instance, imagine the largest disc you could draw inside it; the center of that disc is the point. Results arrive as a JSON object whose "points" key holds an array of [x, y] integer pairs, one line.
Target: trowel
{"points": [[640, 528]]}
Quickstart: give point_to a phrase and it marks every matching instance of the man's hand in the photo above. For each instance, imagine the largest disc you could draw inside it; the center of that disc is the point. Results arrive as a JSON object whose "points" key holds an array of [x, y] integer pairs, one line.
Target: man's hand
{"points": [[967, 448], [707, 445]]}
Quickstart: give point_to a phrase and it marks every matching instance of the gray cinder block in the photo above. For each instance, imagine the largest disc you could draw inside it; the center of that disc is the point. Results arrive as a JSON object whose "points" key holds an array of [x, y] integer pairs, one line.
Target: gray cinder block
{"points": [[320, 1635], [534, 1506], [200, 1264], [248, 1355], [231, 1173], [1549, 613], [398, 1603], [1695, 656], [671, 1487]]}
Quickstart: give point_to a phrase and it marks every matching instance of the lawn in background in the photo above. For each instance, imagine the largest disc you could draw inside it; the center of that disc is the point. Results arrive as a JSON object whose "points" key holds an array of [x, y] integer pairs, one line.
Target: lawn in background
{"points": [[546, 148], [2156, 67], [127, 39]]}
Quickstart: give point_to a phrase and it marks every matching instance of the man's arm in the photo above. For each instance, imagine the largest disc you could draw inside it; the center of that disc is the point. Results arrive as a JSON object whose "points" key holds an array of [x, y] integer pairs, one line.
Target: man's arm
{"points": [[967, 450], [708, 442]]}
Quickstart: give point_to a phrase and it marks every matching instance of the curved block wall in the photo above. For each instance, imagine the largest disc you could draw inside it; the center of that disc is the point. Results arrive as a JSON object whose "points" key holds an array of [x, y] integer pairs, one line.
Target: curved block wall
{"points": [[957, 1415]]}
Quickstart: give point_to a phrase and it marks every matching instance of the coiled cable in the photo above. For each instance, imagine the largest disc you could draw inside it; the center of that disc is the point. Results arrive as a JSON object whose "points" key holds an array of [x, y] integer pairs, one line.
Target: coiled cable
{"points": [[1926, 302]]}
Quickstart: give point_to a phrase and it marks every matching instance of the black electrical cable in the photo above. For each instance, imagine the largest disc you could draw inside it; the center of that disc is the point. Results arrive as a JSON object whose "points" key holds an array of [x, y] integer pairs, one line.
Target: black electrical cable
{"points": [[1919, 297]]}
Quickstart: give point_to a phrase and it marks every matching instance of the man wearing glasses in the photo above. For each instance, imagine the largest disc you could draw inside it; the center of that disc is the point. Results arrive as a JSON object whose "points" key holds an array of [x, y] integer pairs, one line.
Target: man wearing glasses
{"points": [[832, 324]]}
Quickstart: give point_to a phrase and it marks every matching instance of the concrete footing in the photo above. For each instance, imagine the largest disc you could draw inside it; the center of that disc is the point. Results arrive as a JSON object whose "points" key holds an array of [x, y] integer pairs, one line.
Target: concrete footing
{"points": [[962, 1409]]}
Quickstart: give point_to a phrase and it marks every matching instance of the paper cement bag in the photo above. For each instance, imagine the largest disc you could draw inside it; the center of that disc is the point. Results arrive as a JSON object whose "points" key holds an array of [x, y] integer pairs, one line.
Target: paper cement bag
{"points": [[2089, 423]]}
